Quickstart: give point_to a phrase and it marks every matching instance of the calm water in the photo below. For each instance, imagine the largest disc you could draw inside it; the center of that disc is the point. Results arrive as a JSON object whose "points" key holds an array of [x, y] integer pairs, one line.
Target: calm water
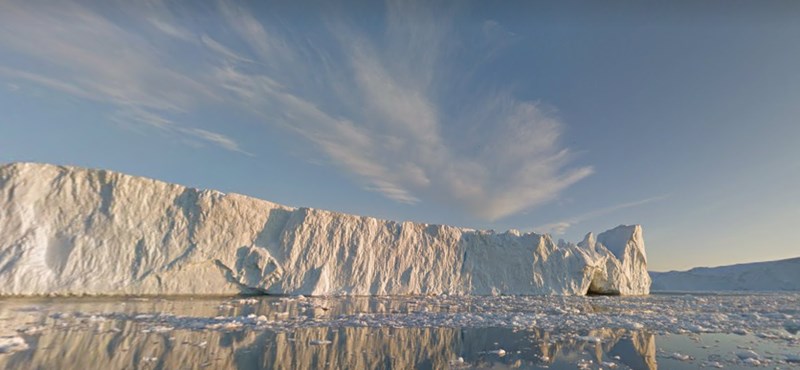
{"points": [[666, 331]]}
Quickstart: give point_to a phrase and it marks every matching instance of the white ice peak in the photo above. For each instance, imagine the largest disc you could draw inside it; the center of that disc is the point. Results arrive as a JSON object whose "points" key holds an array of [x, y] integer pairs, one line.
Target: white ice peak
{"points": [[73, 231]]}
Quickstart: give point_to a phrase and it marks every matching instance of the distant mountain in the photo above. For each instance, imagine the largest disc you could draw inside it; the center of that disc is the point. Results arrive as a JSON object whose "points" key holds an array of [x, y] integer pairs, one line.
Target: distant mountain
{"points": [[758, 276]]}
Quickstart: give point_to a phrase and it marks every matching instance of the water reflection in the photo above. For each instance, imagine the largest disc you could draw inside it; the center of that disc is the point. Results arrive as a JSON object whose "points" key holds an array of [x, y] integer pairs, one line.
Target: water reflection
{"points": [[638, 351], [356, 348], [130, 334]]}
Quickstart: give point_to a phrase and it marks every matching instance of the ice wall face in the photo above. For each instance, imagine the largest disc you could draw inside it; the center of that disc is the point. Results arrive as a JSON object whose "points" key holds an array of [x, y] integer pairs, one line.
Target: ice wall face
{"points": [[625, 273], [72, 231]]}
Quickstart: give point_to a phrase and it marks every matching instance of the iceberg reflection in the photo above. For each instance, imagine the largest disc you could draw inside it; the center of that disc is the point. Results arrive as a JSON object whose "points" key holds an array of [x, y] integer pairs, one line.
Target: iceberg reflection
{"points": [[131, 334]]}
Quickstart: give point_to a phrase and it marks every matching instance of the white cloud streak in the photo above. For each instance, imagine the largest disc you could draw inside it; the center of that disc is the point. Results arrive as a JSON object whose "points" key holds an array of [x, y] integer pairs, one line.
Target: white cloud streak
{"points": [[84, 54], [379, 106], [561, 227], [394, 135], [222, 50]]}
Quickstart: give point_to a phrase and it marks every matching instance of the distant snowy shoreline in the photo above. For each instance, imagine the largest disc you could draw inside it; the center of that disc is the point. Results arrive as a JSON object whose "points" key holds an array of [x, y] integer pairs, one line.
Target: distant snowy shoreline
{"points": [[771, 276]]}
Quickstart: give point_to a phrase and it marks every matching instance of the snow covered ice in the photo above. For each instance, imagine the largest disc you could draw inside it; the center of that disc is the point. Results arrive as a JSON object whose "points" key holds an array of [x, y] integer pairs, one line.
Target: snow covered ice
{"points": [[759, 276], [73, 231]]}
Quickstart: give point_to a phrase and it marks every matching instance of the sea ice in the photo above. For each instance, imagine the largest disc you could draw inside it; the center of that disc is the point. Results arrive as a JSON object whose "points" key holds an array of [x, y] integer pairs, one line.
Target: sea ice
{"points": [[10, 344], [747, 354], [681, 357]]}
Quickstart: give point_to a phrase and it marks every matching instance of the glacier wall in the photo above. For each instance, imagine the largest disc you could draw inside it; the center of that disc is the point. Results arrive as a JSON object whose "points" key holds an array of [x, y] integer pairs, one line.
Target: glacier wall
{"points": [[72, 231]]}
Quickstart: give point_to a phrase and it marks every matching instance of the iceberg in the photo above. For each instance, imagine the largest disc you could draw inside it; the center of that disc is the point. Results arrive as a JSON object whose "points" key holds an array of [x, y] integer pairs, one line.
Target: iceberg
{"points": [[73, 231]]}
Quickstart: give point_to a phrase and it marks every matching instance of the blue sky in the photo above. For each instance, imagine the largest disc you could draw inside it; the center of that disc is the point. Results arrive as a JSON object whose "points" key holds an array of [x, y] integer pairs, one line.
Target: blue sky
{"points": [[560, 117]]}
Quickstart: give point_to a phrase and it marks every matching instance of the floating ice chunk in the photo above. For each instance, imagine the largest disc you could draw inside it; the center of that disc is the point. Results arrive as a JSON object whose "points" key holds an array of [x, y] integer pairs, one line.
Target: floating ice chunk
{"points": [[636, 326], [228, 325], [752, 362], [247, 301], [715, 364], [33, 330], [747, 354], [767, 336], [696, 328], [590, 339], [681, 357], [10, 344], [610, 365], [459, 362], [161, 329]]}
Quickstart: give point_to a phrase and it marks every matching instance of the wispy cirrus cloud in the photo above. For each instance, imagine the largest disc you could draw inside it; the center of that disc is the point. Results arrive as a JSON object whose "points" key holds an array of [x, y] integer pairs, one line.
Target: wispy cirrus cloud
{"points": [[79, 52], [395, 105], [561, 227], [377, 108], [222, 50]]}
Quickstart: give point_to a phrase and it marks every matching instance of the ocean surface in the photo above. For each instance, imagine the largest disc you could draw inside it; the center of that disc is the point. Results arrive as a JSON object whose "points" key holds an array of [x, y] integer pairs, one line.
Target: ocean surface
{"points": [[667, 331]]}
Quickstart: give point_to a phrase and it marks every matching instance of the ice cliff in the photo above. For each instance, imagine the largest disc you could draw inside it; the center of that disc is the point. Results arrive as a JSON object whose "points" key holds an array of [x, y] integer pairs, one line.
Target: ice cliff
{"points": [[73, 231]]}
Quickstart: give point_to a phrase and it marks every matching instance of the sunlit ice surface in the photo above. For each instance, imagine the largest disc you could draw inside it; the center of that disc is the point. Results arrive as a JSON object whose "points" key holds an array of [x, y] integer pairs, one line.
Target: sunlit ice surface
{"points": [[671, 331]]}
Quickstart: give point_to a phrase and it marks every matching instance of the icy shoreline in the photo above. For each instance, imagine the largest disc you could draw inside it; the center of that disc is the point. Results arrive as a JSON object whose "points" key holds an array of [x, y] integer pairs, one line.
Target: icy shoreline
{"points": [[73, 231], [770, 276]]}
